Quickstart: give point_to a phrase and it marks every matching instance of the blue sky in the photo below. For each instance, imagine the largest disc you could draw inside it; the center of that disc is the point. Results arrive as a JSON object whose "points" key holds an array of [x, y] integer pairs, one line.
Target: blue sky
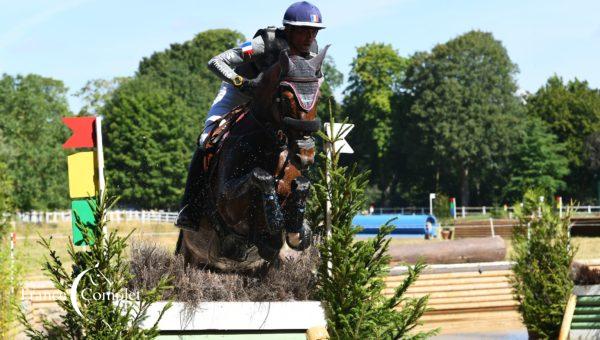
{"points": [[79, 40]]}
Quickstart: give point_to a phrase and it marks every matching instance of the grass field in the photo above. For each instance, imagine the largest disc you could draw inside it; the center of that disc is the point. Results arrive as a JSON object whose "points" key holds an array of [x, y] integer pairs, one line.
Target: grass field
{"points": [[30, 255]]}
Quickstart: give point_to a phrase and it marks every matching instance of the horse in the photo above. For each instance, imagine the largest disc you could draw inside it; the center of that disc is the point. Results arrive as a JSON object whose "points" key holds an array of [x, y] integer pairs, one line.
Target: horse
{"points": [[255, 191]]}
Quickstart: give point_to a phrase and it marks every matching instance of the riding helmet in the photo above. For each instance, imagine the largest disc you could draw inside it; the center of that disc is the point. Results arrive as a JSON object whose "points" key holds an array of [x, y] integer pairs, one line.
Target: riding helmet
{"points": [[303, 13]]}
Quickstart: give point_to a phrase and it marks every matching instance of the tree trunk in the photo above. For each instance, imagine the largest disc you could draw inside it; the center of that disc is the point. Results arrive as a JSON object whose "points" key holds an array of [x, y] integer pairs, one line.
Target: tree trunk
{"points": [[437, 180], [464, 186]]}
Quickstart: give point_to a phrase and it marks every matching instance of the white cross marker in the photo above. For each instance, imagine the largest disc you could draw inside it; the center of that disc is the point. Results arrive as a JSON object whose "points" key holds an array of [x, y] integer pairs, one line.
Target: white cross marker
{"points": [[341, 145]]}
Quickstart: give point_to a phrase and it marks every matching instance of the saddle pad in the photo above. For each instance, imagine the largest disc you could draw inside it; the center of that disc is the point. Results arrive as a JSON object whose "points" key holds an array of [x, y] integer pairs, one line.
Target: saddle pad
{"points": [[219, 134]]}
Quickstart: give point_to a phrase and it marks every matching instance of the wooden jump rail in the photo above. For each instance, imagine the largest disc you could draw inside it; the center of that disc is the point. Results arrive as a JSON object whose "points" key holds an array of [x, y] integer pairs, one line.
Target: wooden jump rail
{"points": [[582, 226], [464, 297]]}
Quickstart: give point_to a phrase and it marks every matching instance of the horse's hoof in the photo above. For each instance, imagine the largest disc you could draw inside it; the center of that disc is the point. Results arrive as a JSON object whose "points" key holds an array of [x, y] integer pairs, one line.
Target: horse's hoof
{"points": [[293, 240], [268, 253], [269, 246], [301, 240]]}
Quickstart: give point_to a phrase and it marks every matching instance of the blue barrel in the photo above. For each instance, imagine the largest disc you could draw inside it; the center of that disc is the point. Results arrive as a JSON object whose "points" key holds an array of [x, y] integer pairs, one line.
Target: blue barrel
{"points": [[405, 224]]}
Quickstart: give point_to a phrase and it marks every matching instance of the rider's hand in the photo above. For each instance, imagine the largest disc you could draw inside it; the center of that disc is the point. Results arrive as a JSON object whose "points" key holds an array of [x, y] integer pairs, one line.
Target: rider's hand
{"points": [[248, 86]]}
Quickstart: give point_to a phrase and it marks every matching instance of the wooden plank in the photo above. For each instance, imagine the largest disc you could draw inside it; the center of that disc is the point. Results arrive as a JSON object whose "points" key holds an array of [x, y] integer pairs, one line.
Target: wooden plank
{"points": [[463, 293], [585, 325], [430, 289], [471, 310], [586, 318], [441, 276], [468, 299], [592, 300], [473, 305], [587, 310], [457, 267], [470, 316], [453, 282], [567, 317], [489, 324], [506, 274]]}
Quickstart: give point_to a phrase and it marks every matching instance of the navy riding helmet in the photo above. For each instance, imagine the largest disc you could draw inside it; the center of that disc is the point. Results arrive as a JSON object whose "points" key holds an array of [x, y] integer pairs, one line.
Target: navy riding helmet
{"points": [[303, 13]]}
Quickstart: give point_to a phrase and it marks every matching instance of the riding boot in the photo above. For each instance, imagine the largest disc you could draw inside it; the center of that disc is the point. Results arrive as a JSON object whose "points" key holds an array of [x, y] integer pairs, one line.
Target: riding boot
{"points": [[190, 208]]}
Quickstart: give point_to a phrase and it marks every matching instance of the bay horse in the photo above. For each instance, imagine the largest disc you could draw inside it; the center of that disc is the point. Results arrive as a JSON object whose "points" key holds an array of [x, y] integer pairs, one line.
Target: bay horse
{"points": [[255, 194]]}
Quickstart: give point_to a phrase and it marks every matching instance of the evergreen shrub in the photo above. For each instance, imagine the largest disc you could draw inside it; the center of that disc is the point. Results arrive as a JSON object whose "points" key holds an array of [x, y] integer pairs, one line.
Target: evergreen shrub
{"points": [[543, 256], [350, 279], [119, 313]]}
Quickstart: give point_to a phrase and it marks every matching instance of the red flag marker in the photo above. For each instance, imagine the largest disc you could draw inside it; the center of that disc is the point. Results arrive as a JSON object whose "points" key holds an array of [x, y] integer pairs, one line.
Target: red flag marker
{"points": [[83, 132]]}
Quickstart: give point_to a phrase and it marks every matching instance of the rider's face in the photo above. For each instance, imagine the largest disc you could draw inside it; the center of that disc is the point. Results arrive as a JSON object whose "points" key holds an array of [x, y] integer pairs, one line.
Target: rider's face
{"points": [[301, 38]]}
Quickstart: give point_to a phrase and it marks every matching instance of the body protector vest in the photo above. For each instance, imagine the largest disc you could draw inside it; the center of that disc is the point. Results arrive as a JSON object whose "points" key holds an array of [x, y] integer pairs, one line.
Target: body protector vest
{"points": [[254, 56]]}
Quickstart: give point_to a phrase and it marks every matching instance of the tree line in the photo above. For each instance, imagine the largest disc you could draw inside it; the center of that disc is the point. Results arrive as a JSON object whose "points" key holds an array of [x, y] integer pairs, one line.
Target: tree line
{"points": [[447, 120]]}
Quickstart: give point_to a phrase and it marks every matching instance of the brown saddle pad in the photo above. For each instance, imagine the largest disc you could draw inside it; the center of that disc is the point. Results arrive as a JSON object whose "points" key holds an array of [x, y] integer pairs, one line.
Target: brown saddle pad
{"points": [[217, 136]]}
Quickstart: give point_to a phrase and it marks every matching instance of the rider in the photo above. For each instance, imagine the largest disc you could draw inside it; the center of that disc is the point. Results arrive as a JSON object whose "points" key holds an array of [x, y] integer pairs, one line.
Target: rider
{"points": [[239, 68]]}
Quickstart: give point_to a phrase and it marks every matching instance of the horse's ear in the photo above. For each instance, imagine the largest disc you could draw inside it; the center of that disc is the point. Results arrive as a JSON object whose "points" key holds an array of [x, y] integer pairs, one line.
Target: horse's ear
{"points": [[284, 62], [317, 61]]}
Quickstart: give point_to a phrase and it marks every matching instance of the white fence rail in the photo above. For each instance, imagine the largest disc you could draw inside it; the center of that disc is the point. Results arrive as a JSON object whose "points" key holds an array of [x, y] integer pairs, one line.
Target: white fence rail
{"points": [[142, 216], [154, 216]]}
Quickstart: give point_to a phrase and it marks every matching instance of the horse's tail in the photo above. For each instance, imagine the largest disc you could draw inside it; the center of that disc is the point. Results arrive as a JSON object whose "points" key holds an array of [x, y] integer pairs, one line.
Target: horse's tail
{"points": [[179, 243]]}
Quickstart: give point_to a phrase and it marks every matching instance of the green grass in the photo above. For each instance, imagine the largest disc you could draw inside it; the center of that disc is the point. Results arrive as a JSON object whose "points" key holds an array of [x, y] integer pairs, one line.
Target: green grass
{"points": [[30, 255]]}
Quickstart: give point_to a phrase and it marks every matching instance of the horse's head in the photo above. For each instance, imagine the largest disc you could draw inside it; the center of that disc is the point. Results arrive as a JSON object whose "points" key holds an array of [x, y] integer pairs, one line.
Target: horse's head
{"points": [[289, 97]]}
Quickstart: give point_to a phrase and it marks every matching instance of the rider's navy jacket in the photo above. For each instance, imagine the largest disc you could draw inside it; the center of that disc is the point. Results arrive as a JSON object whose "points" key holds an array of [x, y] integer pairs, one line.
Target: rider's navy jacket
{"points": [[254, 57]]}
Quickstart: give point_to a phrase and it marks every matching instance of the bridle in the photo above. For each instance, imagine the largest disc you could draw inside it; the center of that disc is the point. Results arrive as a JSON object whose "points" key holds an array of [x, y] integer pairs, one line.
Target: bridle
{"points": [[306, 126]]}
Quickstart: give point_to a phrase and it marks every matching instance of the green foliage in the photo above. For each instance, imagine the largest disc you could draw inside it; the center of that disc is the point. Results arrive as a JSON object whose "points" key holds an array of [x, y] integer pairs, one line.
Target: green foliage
{"points": [[543, 258], [6, 192], [153, 120], [9, 272], [572, 111], [537, 161], [441, 209], [30, 110], [147, 147], [104, 272], [462, 108], [96, 93], [333, 79], [376, 73], [350, 276]]}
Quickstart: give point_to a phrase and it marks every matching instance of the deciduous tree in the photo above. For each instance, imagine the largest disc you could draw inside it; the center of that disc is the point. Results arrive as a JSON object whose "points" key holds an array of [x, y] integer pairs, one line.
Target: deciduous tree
{"points": [[30, 110], [572, 111], [462, 104], [376, 73]]}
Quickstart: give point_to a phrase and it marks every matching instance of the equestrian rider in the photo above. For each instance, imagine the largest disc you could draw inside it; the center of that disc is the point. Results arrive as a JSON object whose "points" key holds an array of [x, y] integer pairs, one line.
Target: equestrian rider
{"points": [[239, 68]]}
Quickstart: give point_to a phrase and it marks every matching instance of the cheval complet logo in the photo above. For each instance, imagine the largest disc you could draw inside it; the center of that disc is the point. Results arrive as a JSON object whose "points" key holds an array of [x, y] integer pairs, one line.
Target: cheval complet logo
{"points": [[87, 294]]}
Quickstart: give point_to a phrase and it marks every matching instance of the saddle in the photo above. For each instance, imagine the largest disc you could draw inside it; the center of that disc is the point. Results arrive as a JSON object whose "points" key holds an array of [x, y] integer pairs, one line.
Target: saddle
{"points": [[217, 136]]}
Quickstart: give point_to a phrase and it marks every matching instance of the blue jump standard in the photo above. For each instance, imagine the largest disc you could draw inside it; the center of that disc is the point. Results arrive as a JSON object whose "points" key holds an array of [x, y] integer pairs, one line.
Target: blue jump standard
{"points": [[406, 225]]}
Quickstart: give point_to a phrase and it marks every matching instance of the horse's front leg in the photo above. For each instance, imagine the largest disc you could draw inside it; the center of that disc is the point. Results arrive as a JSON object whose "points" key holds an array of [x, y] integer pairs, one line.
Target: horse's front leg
{"points": [[260, 181], [298, 235]]}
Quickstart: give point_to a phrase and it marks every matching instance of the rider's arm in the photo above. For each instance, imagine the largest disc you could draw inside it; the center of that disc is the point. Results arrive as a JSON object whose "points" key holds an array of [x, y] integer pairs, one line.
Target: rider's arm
{"points": [[224, 64]]}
